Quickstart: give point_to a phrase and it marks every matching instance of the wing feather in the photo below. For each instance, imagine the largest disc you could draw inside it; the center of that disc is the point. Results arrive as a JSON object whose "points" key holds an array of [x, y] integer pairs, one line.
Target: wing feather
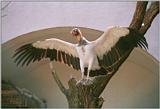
{"points": [[59, 56], [108, 39], [54, 49], [22, 57], [68, 60], [63, 57], [28, 59], [114, 43]]}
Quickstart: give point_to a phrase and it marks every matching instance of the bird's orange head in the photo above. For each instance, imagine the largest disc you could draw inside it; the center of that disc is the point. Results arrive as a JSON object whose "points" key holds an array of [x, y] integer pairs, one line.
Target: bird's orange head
{"points": [[75, 32]]}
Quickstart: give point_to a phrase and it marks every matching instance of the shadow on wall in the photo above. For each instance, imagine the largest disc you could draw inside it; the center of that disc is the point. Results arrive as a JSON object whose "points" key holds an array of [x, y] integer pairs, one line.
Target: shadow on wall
{"points": [[135, 85]]}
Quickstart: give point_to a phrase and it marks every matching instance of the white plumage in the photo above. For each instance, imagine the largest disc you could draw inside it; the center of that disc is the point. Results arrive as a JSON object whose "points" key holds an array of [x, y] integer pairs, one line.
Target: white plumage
{"points": [[57, 44], [91, 57], [108, 39]]}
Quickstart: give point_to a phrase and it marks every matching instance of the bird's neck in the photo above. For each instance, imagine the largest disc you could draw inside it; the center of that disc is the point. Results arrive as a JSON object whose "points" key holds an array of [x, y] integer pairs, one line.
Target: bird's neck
{"points": [[79, 38], [82, 41]]}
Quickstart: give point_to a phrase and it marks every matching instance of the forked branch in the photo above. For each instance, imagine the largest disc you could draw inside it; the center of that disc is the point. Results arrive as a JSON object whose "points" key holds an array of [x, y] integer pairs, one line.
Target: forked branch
{"points": [[149, 16]]}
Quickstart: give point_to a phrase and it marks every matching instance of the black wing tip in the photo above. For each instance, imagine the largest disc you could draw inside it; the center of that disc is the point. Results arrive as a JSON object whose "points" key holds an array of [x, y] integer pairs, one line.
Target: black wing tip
{"points": [[20, 65], [141, 40], [19, 52], [23, 46]]}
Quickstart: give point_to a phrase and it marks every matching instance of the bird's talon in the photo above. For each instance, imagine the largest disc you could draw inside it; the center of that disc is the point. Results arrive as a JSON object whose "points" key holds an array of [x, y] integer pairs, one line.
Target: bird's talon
{"points": [[88, 81], [80, 81]]}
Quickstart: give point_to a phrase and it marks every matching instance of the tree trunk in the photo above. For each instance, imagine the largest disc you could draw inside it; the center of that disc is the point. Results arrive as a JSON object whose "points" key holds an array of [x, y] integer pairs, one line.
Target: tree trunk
{"points": [[82, 96], [88, 95]]}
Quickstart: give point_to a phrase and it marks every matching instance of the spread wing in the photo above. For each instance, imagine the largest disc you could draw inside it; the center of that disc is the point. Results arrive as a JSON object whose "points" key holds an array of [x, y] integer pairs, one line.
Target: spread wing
{"points": [[54, 49], [115, 43]]}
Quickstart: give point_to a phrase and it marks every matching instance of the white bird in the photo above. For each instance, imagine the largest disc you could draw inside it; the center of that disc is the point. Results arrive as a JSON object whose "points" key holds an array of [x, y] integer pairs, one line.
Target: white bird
{"points": [[93, 58]]}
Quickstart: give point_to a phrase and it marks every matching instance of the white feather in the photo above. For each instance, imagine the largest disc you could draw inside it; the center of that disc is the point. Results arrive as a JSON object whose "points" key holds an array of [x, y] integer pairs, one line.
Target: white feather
{"points": [[57, 44], [86, 56], [108, 39]]}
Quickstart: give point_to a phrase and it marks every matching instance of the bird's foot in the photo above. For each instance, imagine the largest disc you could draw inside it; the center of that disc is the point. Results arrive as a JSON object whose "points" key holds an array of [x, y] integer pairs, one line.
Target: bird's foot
{"points": [[88, 81], [80, 81], [84, 81]]}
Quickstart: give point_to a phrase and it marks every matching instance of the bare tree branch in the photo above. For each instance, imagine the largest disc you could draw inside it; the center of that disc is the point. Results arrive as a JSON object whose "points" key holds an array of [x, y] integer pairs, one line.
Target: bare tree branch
{"points": [[5, 6], [138, 15], [59, 83], [149, 16], [100, 83]]}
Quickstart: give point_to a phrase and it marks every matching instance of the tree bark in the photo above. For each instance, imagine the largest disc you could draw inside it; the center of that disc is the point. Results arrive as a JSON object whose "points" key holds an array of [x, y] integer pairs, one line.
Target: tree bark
{"points": [[149, 16], [83, 95], [88, 95], [138, 15]]}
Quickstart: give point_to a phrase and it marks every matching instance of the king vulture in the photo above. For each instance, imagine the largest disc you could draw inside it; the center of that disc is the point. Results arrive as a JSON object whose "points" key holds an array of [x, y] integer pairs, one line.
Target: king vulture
{"points": [[92, 58]]}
